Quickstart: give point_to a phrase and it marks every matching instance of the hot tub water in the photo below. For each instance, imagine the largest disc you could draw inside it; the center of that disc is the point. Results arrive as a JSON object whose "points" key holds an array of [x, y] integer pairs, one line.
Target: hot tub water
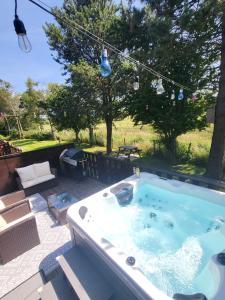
{"points": [[172, 236]]}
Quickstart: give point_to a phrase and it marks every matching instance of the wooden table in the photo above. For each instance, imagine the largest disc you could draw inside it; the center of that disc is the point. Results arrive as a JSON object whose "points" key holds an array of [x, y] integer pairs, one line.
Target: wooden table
{"points": [[128, 150], [58, 205]]}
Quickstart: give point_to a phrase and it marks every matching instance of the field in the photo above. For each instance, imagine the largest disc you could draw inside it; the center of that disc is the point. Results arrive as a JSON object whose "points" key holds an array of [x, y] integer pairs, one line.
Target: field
{"points": [[32, 144], [192, 151]]}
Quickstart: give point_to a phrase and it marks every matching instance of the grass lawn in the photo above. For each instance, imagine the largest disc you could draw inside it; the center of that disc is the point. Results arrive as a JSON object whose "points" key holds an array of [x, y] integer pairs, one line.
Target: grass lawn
{"points": [[31, 144], [124, 132]]}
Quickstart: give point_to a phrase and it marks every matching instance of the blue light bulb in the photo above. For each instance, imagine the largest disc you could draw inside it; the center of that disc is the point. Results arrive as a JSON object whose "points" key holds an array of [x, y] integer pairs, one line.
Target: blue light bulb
{"points": [[181, 94], [105, 66]]}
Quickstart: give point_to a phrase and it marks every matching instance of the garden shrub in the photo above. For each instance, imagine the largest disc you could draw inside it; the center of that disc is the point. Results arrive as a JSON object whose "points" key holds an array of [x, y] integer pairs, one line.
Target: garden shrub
{"points": [[14, 134], [40, 136]]}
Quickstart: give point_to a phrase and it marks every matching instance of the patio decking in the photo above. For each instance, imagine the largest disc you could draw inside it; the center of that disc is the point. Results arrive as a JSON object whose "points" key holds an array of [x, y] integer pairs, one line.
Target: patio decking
{"points": [[55, 239]]}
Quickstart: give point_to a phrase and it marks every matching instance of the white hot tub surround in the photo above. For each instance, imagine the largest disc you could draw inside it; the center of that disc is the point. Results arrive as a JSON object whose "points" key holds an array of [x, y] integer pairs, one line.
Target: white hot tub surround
{"points": [[79, 219]]}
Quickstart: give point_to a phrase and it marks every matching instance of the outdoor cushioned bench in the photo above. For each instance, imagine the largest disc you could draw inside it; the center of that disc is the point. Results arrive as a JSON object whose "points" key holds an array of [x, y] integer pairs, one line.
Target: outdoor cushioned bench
{"points": [[18, 232], [35, 178], [11, 200]]}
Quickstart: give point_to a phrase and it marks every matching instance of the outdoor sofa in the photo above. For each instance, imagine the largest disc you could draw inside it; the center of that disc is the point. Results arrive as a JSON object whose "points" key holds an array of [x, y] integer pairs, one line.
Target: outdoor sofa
{"points": [[18, 231], [36, 178], [11, 200]]}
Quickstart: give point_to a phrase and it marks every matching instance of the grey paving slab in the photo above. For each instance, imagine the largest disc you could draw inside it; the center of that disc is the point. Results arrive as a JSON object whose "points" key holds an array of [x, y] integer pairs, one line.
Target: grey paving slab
{"points": [[55, 239]]}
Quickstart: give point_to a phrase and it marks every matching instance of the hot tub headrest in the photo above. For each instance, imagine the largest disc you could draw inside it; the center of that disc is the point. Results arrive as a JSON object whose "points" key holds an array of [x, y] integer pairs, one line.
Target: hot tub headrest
{"points": [[123, 193]]}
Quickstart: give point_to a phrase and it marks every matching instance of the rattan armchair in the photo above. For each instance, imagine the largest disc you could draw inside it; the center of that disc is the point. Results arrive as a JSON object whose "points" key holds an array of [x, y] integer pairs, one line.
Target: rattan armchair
{"points": [[10, 200], [18, 232]]}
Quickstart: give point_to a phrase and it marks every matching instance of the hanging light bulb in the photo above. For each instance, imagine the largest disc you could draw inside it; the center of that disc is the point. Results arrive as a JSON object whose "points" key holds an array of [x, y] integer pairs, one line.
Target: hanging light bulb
{"points": [[105, 66], [136, 83], [194, 96], [173, 95], [23, 41], [160, 89], [181, 94], [154, 83]]}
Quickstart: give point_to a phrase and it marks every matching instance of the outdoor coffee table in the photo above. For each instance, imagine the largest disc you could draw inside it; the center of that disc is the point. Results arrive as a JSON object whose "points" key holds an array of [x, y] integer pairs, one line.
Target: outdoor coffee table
{"points": [[58, 205]]}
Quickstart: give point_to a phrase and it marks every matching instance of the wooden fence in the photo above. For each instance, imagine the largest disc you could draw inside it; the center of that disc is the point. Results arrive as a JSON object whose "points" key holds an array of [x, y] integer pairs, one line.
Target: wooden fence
{"points": [[110, 170], [107, 169], [98, 166]]}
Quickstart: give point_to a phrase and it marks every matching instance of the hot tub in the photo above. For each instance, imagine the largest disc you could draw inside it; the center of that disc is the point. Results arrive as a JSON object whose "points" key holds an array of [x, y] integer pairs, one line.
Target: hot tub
{"points": [[164, 240]]}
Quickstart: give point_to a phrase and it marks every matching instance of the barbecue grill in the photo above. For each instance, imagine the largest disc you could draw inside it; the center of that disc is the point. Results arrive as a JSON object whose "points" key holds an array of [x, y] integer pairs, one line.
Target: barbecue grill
{"points": [[72, 162]]}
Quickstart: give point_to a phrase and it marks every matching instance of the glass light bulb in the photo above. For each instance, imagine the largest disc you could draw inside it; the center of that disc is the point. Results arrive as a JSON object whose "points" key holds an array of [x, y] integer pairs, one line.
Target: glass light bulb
{"points": [[181, 94], [160, 89], [194, 97], [24, 43], [20, 29], [154, 83], [136, 84], [105, 66], [172, 95]]}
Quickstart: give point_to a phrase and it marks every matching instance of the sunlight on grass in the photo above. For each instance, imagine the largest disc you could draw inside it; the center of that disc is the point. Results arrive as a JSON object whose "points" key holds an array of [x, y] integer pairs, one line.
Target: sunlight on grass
{"points": [[31, 144], [124, 132]]}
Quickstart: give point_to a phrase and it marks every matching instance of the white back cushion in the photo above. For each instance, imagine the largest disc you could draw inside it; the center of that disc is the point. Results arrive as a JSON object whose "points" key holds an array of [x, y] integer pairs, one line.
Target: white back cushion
{"points": [[42, 169], [26, 173]]}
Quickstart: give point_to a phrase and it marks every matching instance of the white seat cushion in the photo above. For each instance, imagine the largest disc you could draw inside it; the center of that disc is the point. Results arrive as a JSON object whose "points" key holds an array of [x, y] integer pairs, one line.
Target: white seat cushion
{"points": [[37, 180], [2, 205], [26, 173], [2, 221], [42, 169]]}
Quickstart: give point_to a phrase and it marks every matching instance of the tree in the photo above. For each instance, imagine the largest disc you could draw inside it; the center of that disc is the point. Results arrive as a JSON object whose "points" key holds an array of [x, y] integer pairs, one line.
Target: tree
{"points": [[72, 47], [65, 109], [30, 102], [216, 156], [168, 38], [5, 94], [9, 107], [83, 80]]}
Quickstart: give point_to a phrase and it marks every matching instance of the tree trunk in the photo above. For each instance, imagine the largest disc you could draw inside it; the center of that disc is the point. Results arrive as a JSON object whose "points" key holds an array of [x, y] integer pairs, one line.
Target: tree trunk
{"points": [[215, 161], [107, 108], [91, 135], [77, 135], [108, 122], [8, 126], [170, 144], [21, 128], [52, 129], [18, 127]]}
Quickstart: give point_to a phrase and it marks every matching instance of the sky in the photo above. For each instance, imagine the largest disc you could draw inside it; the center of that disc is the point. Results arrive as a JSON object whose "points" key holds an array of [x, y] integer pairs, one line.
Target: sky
{"points": [[16, 66]]}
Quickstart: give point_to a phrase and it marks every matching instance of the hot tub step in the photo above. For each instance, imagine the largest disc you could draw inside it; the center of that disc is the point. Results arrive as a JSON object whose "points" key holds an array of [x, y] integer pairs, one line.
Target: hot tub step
{"points": [[57, 289], [86, 281]]}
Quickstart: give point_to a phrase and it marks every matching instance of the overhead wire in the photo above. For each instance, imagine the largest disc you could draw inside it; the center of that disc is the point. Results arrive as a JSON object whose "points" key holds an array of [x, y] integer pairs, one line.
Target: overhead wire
{"points": [[100, 41]]}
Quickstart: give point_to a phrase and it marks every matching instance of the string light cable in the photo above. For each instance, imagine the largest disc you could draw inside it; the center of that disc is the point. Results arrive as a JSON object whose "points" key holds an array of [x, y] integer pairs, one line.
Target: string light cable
{"points": [[100, 41]]}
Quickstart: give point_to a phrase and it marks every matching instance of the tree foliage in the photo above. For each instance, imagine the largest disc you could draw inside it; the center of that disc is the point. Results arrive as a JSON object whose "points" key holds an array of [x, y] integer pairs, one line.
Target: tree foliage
{"points": [[173, 44], [73, 48], [30, 104]]}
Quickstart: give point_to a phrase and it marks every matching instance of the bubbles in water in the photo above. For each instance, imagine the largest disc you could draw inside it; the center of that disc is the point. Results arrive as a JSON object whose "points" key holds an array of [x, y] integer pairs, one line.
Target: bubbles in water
{"points": [[220, 219], [180, 267]]}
